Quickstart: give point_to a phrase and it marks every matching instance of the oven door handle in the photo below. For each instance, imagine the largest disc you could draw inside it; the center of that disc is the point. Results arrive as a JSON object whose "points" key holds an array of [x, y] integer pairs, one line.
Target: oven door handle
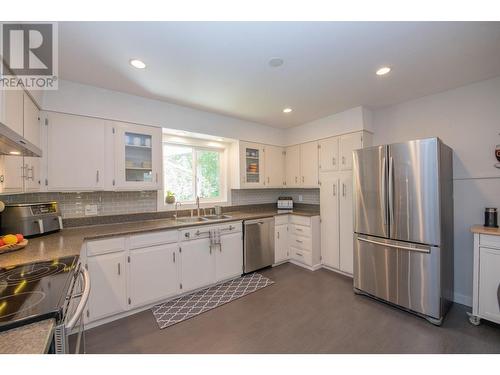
{"points": [[83, 301]]}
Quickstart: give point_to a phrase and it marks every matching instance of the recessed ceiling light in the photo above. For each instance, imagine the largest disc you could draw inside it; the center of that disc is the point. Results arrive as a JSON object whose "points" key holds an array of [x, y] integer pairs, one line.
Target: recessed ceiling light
{"points": [[14, 153], [275, 62], [287, 110], [383, 71], [137, 64]]}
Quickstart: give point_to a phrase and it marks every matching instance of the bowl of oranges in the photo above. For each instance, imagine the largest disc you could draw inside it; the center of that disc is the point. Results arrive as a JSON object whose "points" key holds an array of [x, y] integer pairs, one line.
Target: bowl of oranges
{"points": [[12, 242]]}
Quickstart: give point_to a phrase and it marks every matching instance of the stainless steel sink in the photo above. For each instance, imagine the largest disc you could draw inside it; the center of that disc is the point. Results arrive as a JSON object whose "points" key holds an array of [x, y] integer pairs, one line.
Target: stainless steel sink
{"points": [[216, 217], [191, 219]]}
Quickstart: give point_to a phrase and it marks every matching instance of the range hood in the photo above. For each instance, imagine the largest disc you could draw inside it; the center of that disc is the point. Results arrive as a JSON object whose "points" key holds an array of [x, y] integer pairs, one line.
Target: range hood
{"points": [[12, 143]]}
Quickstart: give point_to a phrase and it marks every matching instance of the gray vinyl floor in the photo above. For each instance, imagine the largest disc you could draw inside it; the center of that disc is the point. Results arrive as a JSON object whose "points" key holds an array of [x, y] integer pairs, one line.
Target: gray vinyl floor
{"points": [[303, 312]]}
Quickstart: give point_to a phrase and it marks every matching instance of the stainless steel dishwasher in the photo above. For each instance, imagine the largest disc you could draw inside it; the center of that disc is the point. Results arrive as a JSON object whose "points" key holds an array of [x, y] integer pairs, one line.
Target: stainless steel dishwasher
{"points": [[258, 248]]}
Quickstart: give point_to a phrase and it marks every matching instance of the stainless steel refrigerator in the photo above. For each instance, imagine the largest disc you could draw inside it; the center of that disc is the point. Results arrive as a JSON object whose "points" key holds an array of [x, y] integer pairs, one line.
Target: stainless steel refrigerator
{"points": [[403, 225]]}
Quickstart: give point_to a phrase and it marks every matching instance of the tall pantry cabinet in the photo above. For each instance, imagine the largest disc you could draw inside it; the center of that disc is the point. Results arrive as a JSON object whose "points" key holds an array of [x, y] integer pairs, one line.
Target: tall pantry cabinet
{"points": [[335, 176]]}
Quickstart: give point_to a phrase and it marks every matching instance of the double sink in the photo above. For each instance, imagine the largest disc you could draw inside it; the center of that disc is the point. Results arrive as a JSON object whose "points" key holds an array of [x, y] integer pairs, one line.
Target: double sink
{"points": [[200, 219]]}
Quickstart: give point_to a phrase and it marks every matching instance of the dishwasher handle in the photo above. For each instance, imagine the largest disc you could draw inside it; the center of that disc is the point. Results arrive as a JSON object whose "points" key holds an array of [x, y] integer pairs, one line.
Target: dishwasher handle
{"points": [[259, 221]]}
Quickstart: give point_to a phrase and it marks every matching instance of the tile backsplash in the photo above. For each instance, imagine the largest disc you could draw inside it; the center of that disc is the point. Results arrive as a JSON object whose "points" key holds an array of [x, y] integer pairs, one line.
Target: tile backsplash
{"points": [[260, 196], [72, 205]]}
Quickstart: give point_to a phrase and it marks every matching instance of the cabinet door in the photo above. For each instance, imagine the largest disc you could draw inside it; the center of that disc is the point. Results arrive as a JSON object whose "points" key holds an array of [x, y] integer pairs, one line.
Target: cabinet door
{"points": [[138, 157], [31, 121], [197, 264], [274, 166], [349, 143], [280, 243], [13, 110], [329, 154], [251, 165], [12, 174], [309, 164], [75, 153], [108, 290], [229, 257], [292, 166], [489, 284], [153, 274], [329, 209], [346, 224]]}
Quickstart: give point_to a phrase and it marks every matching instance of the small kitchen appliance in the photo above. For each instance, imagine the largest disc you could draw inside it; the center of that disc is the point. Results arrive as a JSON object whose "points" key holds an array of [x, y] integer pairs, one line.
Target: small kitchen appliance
{"points": [[285, 203], [490, 217], [31, 219]]}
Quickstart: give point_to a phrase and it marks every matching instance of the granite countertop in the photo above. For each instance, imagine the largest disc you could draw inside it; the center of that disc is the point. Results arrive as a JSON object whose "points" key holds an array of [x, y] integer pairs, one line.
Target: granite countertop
{"points": [[69, 241], [485, 230], [34, 338]]}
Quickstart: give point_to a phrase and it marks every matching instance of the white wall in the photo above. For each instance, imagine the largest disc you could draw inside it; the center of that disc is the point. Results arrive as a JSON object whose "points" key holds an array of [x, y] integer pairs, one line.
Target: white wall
{"points": [[339, 123], [76, 98], [468, 120]]}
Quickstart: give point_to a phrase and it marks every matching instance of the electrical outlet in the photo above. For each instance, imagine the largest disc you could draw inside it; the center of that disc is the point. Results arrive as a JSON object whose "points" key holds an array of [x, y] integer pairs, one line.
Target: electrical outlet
{"points": [[90, 209], [300, 198]]}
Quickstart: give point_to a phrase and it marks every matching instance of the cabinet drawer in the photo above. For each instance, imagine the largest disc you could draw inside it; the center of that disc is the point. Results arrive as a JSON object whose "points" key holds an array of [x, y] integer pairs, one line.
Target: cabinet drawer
{"points": [[301, 230], [301, 256], [108, 245], [153, 238], [300, 220], [490, 241], [281, 219], [303, 243]]}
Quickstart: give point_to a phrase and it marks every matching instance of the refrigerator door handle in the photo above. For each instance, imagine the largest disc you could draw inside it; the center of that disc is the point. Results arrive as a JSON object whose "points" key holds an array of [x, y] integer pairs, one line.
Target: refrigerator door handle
{"points": [[420, 249], [391, 191], [383, 192]]}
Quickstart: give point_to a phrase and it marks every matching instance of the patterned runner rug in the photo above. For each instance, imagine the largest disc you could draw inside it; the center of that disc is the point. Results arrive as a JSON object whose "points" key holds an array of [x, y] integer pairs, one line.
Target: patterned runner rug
{"points": [[182, 308]]}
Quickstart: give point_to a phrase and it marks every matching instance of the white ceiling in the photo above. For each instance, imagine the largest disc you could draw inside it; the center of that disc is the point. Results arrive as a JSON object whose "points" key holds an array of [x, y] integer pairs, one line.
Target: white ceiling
{"points": [[329, 67]]}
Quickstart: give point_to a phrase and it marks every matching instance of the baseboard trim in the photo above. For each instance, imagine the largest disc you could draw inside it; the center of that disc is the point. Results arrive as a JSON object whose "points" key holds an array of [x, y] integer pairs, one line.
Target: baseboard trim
{"points": [[313, 268], [462, 299], [336, 270]]}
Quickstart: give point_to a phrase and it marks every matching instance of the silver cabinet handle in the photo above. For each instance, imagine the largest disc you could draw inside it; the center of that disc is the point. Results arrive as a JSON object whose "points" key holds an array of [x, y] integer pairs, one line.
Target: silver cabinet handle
{"points": [[97, 176], [173, 256], [187, 234], [302, 179], [343, 160], [268, 180], [335, 190], [157, 177], [119, 269], [210, 249], [298, 229], [299, 241], [299, 254], [295, 179], [278, 235], [343, 189], [334, 161]]}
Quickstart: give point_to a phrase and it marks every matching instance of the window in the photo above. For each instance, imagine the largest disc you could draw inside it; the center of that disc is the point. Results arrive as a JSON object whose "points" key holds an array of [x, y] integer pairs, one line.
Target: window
{"points": [[192, 171]]}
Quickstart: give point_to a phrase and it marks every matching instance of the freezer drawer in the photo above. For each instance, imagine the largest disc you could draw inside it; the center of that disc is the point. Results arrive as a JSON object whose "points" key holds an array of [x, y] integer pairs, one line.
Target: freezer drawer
{"points": [[401, 273]]}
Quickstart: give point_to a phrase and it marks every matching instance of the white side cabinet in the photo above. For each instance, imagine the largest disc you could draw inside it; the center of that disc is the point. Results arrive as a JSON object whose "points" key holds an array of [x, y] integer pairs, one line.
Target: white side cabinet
{"points": [[330, 219], [229, 257], [486, 287], [281, 251], [197, 265], [292, 166], [309, 165]]}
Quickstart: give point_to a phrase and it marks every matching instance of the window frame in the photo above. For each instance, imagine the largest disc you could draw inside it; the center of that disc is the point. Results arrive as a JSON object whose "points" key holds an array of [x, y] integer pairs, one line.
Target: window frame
{"points": [[195, 145]]}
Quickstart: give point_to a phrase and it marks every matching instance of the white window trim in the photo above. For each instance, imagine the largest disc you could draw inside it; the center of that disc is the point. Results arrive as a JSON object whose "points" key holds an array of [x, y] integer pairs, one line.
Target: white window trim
{"points": [[223, 149]]}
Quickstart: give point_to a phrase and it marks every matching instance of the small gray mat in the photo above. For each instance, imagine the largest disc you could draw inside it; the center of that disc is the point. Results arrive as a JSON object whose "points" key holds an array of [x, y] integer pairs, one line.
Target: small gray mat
{"points": [[182, 308]]}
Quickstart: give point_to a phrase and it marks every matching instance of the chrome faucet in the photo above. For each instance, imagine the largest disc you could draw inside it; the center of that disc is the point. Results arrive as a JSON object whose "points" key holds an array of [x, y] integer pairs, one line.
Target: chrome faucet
{"points": [[177, 204], [198, 205]]}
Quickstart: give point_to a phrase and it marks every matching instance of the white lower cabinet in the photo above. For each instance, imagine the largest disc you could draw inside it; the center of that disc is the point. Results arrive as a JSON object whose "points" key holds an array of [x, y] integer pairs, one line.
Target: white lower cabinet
{"points": [[229, 257], [153, 274], [281, 251], [346, 227], [133, 272], [197, 264], [108, 294]]}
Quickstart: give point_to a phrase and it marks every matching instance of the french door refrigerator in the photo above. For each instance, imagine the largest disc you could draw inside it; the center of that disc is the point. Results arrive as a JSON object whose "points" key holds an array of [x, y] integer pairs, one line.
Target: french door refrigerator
{"points": [[403, 225]]}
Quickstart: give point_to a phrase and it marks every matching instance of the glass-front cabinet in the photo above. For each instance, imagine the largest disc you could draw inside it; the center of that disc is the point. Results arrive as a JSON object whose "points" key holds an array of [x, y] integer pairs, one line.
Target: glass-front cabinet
{"points": [[137, 157], [251, 164]]}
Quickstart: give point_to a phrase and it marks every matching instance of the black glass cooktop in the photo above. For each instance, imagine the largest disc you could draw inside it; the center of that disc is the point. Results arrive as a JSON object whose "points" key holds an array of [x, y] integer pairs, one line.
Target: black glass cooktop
{"points": [[34, 291]]}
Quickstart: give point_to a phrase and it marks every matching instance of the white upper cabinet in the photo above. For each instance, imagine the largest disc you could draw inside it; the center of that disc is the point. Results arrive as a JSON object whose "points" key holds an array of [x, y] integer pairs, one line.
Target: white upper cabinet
{"points": [[251, 165], [349, 143], [31, 121], [75, 153], [137, 157], [309, 164], [12, 109], [329, 154], [11, 174], [292, 168], [274, 163]]}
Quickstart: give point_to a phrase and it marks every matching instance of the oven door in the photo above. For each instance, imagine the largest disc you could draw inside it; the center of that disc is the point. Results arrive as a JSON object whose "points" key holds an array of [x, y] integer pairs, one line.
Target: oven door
{"points": [[402, 273]]}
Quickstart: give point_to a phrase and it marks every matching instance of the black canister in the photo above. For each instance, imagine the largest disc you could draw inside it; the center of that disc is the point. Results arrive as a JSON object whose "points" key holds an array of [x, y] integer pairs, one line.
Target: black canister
{"points": [[490, 217]]}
